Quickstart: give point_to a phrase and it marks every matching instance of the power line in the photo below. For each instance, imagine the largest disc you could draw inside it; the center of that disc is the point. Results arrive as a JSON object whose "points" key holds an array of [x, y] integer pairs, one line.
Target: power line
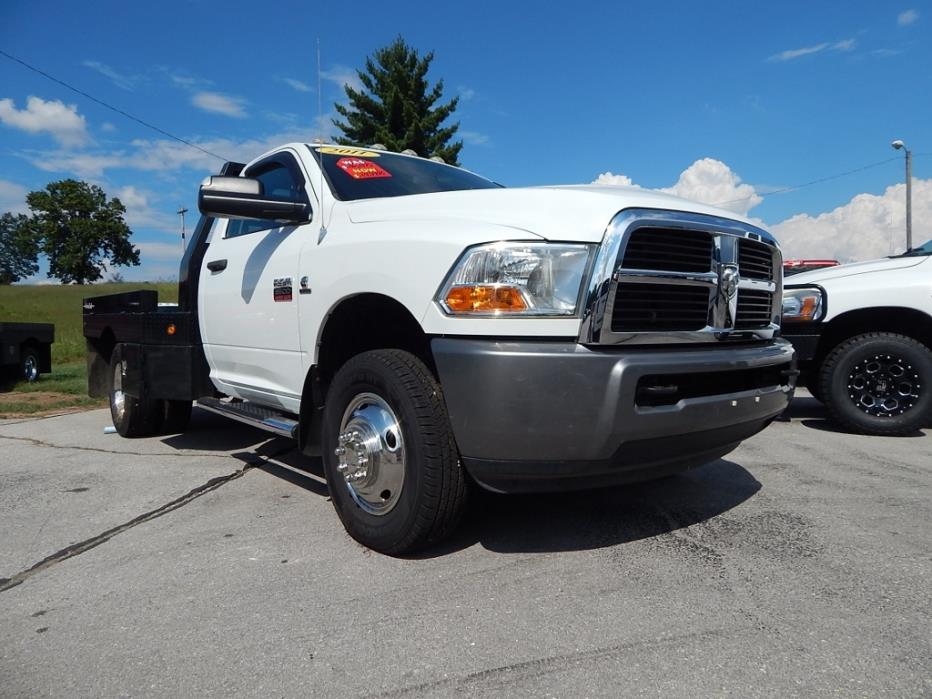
{"points": [[111, 107], [793, 188]]}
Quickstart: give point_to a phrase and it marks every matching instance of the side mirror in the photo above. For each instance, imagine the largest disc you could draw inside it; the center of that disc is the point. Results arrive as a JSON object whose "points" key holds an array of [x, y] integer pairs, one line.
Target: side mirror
{"points": [[244, 197]]}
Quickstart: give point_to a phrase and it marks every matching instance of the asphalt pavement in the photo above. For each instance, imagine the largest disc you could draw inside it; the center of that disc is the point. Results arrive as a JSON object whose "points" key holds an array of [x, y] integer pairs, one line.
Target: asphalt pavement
{"points": [[212, 564]]}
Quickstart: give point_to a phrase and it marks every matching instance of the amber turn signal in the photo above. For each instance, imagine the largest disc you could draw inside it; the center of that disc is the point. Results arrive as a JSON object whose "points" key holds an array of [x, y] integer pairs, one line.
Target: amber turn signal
{"points": [[809, 308], [171, 329], [484, 298]]}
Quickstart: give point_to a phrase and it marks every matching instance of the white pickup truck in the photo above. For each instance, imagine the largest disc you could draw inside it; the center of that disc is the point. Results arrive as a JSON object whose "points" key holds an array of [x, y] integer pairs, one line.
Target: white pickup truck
{"points": [[423, 329], [863, 336]]}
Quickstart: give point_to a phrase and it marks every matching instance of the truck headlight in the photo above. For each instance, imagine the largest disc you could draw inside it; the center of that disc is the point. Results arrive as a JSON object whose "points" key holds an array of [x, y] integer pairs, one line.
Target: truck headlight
{"points": [[520, 279], [802, 304]]}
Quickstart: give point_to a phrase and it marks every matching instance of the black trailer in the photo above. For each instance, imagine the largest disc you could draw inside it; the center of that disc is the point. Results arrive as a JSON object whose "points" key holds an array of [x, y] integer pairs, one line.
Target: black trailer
{"points": [[147, 357], [27, 347]]}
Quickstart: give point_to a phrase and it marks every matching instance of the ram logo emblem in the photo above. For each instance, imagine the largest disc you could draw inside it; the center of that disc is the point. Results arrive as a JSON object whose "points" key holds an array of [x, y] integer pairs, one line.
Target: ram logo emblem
{"points": [[728, 281]]}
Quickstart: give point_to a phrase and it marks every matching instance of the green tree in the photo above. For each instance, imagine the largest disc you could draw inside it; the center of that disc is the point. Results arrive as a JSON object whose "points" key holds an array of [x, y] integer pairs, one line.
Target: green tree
{"points": [[397, 107], [79, 230], [18, 251]]}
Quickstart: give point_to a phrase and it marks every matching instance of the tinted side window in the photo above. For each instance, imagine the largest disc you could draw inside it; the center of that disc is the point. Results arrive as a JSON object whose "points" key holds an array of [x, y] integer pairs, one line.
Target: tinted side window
{"points": [[279, 183]]}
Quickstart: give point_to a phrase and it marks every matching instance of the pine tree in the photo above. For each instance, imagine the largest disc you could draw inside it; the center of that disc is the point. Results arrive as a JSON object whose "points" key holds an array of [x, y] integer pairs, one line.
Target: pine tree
{"points": [[397, 108]]}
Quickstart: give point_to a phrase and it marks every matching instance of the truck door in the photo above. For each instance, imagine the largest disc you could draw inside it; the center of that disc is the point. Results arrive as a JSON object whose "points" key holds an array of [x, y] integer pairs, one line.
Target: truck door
{"points": [[248, 301]]}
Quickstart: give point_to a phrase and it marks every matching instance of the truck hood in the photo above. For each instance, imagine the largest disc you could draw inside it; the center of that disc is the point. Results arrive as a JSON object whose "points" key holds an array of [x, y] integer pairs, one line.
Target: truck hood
{"points": [[567, 212], [818, 276]]}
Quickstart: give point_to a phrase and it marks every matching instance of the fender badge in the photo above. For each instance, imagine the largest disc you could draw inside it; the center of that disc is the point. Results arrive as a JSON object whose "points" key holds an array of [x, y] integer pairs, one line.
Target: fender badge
{"points": [[281, 289]]}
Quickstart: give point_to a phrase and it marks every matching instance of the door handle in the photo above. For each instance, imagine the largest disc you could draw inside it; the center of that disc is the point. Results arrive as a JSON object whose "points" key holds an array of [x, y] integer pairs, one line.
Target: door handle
{"points": [[217, 265]]}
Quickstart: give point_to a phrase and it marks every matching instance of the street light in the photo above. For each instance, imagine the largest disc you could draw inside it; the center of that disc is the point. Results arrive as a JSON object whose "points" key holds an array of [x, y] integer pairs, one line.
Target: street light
{"points": [[181, 212], [898, 145]]}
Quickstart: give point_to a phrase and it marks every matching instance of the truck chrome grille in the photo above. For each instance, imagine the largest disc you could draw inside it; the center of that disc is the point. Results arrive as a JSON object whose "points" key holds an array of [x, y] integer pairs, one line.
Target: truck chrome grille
{"points": [[672, 250], [755, 260], [754, 309], [645, 307], [672, 277]]}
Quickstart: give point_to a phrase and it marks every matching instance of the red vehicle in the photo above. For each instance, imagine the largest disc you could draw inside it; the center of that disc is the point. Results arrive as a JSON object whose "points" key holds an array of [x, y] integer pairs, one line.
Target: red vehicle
{"points": [[797, 266]]}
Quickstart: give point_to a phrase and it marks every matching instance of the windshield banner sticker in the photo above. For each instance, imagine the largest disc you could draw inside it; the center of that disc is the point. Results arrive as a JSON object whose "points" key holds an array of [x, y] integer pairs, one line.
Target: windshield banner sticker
{"points": [[360, 169], [281, 289], [355, 152]]}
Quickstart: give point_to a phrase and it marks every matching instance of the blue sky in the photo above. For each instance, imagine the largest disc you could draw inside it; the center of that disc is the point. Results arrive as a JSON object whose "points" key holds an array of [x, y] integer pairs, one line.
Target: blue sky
{"points": [[708, 100]]}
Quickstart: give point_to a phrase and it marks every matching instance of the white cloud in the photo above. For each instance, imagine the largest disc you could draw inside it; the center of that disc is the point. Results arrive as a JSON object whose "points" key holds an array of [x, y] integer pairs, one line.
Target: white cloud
{"points": [[711, 181], [186, 81], [845, 45], [83, 165], [611, 178], [166, 157], [107, 127], [708, 181], [886, 53], [473, 138], [140, 213], [219, 104], [867, 227], [126, 82], [791, 54], [159, 251], [132, 197], [297, 85], [12, 198], [466, 93], [907, 17], [60, 120], [341, 75]]}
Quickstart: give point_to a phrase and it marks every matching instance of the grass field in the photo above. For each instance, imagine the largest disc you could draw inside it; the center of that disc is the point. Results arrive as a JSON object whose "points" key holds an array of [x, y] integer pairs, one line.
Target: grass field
{"points": [[66, 387]]}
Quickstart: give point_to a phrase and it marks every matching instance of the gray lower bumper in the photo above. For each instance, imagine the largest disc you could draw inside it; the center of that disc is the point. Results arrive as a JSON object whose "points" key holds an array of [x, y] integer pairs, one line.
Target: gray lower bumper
{"points": [[552, 415]]}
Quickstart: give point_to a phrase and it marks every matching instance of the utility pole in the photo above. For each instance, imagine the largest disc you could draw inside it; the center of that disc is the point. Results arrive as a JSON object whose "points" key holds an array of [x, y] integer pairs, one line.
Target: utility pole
{"points": [[897, 145], [181, 212]]}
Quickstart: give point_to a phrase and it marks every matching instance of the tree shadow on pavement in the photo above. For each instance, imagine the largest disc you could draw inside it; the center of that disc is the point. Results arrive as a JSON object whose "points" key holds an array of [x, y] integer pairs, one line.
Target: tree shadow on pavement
{"points": [[600, 518]]}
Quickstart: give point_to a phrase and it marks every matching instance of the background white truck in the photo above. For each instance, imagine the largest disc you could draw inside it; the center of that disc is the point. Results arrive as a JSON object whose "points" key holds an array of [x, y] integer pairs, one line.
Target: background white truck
{"points": [[414, 323], [863, 334]]}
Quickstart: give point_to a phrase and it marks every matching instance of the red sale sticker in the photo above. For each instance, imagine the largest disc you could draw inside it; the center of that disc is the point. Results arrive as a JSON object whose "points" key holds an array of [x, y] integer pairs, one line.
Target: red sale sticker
{"points": [[360, 169]]}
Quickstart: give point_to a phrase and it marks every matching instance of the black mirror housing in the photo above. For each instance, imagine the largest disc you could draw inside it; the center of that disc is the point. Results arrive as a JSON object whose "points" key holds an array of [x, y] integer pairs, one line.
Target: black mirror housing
{"points": [[243, 198]]}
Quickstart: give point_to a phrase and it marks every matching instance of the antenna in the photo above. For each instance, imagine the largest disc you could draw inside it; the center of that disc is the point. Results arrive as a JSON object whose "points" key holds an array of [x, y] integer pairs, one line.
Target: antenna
{"points": [[320, 156]]}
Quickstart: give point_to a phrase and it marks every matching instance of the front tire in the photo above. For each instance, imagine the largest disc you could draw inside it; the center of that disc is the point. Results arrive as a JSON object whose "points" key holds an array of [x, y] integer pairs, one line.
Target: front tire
{"points": [[389, 455], [878, 383], [132, 417]]}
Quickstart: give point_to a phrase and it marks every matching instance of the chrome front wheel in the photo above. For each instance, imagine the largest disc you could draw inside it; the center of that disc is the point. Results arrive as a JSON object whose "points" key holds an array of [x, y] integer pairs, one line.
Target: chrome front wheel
{"points": [[371, 455], [391, 463]]}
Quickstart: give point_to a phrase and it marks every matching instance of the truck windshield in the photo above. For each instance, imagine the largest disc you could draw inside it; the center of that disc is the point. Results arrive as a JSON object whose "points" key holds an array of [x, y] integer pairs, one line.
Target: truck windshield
{"points": [[363, 173]]}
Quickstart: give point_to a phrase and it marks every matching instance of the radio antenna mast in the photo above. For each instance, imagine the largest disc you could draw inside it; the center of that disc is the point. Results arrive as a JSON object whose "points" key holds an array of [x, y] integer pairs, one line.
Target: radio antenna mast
{"points": [[320, 141]]}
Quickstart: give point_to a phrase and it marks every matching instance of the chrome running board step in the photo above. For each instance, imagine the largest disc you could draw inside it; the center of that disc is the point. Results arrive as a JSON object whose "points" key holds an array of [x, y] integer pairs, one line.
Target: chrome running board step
{"points": [[267, 419]]}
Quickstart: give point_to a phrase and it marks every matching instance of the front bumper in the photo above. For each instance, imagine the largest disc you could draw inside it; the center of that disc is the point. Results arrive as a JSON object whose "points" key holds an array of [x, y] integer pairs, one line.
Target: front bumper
{"points": [[543, 415]]}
